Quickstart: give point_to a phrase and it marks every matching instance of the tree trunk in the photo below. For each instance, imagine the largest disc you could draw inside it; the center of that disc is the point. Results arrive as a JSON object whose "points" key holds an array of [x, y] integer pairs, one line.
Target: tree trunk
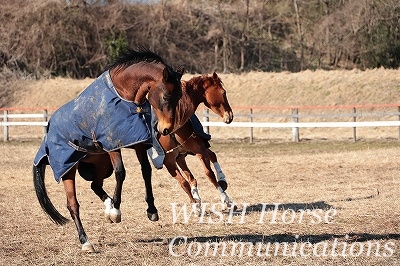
{"points": [[225, 53], [216, 55], [300, 34], [243, 37]]}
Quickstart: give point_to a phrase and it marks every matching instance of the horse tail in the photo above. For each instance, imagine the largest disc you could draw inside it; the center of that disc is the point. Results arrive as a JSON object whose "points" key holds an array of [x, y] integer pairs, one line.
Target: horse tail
{"points": [[41, 193]]}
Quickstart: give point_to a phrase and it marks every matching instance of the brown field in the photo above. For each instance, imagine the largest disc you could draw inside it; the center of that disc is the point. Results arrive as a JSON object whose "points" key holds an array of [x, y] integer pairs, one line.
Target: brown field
{"points": [[358, 180], [326, 171]]}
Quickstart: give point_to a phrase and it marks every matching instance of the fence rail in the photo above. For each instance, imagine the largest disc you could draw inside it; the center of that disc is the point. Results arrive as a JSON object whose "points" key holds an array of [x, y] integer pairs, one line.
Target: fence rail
{"points": [[297, 113], [250, 113]]}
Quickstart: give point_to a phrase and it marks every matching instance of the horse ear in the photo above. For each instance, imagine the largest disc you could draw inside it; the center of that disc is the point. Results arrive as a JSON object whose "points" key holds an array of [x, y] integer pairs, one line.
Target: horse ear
{"points": [[166, 73], [215, 76], [180, 71]]}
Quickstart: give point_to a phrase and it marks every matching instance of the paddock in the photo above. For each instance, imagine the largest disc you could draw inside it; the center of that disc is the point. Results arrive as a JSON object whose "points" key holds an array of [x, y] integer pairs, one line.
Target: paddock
{"points": [[316, 202]]}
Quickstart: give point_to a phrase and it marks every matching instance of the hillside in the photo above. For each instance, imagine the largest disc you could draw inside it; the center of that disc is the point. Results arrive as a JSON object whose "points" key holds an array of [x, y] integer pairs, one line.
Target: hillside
{"points": [[339, 87], [69, 40]]}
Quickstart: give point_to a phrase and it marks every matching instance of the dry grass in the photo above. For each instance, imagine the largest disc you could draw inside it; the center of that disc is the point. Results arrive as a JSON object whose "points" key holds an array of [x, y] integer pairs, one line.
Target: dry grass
{"points": [[339, 87], [311, 175]]}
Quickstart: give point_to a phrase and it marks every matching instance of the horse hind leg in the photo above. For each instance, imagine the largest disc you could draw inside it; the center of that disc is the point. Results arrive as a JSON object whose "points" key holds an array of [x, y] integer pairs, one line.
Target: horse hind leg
{"points": [[96, 169], [120, 174], [194, 192], [73, 207], [107, 200], [220, 175], [205, 160]]}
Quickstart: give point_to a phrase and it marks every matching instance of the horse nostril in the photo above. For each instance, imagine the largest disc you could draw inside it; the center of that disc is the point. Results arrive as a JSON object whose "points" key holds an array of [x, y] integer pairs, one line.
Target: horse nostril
{"points": [[165, 131]]}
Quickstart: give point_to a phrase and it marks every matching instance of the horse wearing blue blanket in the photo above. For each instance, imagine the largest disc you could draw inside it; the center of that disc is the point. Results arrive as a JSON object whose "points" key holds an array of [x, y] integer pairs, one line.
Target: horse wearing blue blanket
{"points": [[87, 134]]}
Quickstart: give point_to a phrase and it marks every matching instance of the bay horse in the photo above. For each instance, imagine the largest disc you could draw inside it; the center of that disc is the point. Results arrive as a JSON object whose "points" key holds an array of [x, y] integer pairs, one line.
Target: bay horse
{"points": [[87, 133], [210, 91]]}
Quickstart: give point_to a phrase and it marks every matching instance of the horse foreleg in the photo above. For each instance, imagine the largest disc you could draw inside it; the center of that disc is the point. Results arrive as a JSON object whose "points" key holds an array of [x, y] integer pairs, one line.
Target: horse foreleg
{"points": [[141, 153], [190, 189], [220, 175], [120, 173], [181, 161], [73, 207]]}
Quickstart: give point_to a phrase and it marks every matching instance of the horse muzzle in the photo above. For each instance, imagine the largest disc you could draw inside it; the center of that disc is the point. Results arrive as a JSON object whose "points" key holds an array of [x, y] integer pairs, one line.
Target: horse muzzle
{"points": [[228, 117], [164, 129]]}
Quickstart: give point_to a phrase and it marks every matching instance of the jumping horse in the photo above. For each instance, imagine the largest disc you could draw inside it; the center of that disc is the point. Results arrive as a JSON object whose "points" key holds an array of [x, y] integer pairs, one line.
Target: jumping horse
{"points": [[210, 91], [87, 133]]}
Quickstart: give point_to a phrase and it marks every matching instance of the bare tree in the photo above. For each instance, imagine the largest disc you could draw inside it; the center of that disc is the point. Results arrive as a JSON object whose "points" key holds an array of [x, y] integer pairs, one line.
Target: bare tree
{"points": [[243, 38]]}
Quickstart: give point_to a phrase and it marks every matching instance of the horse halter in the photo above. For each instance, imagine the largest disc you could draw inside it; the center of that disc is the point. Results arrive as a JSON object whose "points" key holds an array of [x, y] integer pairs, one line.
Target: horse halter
{"points": [[193, 135]]}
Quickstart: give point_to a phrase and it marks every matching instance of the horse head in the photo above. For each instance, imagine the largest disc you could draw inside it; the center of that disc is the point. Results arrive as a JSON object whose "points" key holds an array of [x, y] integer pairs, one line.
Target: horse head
{"points": [[140, 73], [215, 98], [165, 97]]}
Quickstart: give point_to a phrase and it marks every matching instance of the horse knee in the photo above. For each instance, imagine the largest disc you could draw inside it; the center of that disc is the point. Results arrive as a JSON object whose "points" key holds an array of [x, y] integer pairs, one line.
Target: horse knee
{"points": [[120, 173]]}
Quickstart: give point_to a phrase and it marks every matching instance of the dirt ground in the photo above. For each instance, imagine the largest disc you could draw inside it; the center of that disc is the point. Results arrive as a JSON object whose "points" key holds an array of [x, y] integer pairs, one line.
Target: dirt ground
{"points": [[335, 203]]}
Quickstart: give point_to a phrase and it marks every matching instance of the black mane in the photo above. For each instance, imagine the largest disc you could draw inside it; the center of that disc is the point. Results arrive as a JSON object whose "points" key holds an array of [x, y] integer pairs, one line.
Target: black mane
{"points": [[130, 56]]}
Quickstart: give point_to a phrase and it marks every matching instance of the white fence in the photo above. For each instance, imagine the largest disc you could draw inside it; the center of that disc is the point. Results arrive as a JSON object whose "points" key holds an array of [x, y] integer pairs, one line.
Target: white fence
{"points": [[291, 114]]}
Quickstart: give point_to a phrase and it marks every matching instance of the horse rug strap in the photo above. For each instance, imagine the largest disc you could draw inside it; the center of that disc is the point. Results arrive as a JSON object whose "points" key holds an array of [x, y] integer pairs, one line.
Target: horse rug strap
{"points": [[193, 135], [97, 120], [156, 152]]}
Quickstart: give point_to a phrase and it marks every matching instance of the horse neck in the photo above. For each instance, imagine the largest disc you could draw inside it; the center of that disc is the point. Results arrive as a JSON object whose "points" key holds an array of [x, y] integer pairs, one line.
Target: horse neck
{"points": [[194, 88], [193, 94], [132, 82], [185, 109]]}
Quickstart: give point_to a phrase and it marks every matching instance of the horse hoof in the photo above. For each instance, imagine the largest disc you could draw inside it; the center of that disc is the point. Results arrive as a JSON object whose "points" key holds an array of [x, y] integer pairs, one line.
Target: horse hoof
{"points": [[115, 215], [107, 218], [196, 208], [87, 247], [233, 206], [195, 194], [153, 216], [223, 184]]}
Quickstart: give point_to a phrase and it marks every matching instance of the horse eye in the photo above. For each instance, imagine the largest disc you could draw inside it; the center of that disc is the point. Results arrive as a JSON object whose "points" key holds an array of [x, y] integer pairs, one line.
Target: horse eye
{"points": [[166, 98]]}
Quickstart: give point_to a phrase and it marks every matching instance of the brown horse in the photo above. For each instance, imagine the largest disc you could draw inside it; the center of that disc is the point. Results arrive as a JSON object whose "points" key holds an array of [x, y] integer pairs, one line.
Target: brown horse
{"points": [[87, 134], [210, 91]]}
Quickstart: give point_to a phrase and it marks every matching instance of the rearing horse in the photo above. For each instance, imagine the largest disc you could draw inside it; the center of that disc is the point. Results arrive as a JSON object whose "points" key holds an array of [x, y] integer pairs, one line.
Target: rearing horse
{"points": [[210, 91], [87, 133]]}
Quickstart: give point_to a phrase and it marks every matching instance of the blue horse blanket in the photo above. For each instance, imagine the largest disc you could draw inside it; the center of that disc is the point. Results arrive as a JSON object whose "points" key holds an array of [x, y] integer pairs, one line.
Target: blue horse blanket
{"points": [[97, 120]]}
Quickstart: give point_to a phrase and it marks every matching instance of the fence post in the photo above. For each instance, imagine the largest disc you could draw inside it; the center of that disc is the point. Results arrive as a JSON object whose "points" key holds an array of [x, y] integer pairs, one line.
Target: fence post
{"points": [[5, 119], [354, 128], [295, 130], [45, 120], [251, 128], [398, 110], [206, 119]]}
